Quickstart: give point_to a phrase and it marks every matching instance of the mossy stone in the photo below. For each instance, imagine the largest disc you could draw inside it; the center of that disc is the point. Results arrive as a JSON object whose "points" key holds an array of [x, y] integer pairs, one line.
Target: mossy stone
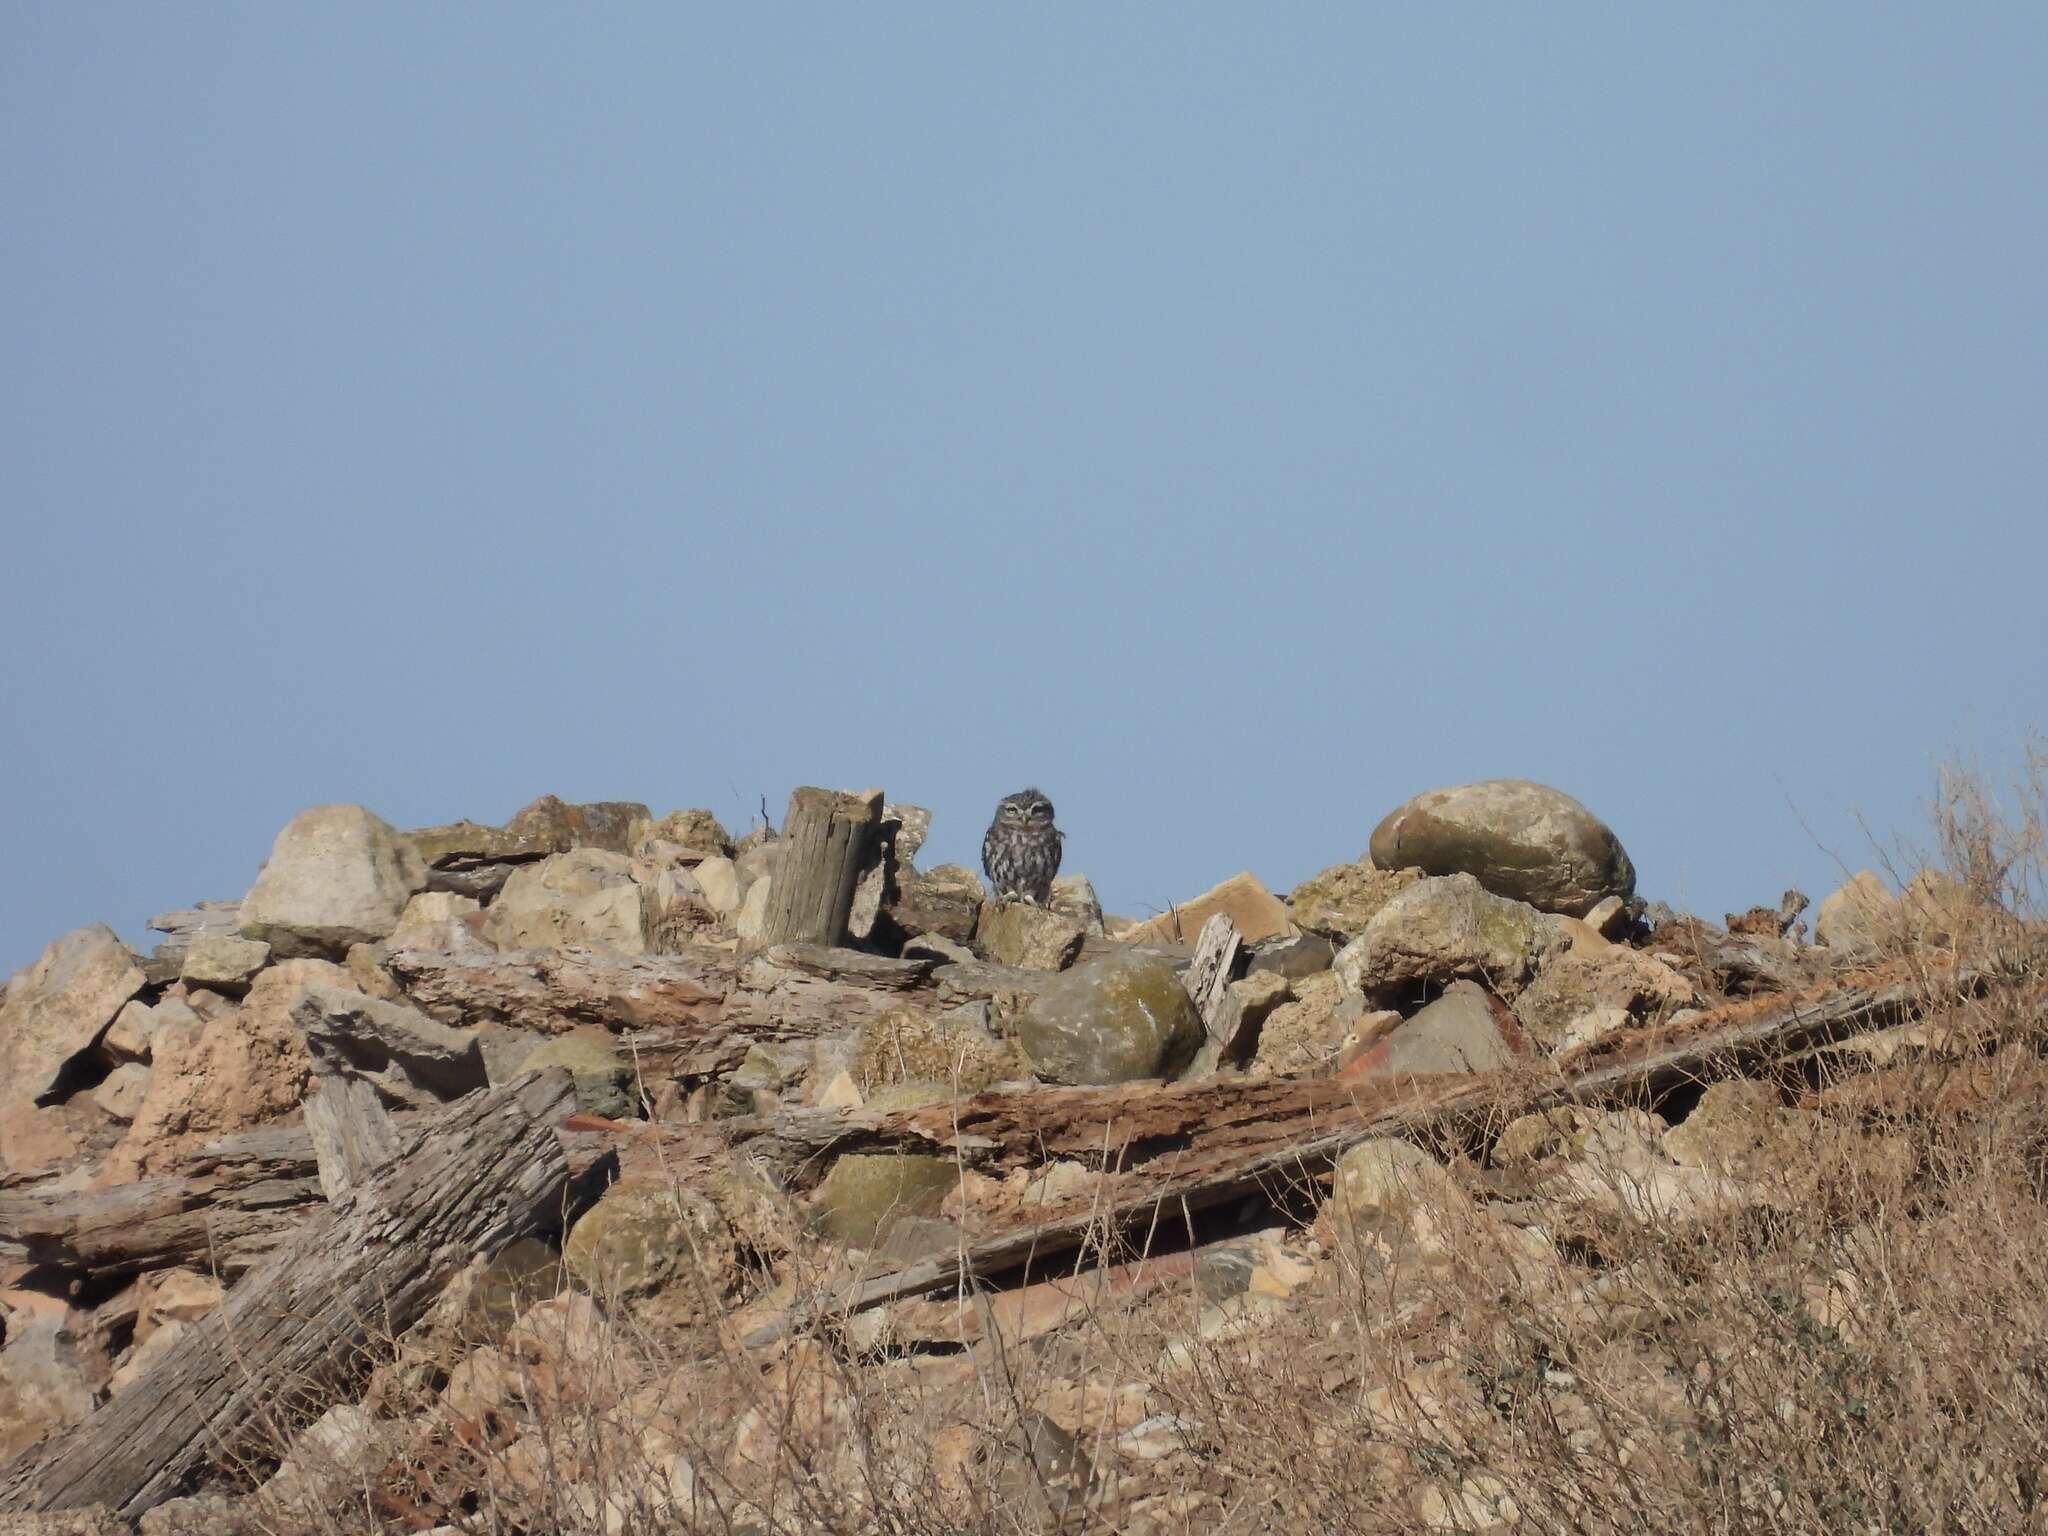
{"points": [[1114, 1020]]}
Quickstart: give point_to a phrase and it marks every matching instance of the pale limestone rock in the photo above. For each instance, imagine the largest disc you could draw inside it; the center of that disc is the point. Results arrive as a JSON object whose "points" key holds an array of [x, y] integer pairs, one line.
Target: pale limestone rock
{"points": [[587, 896], [718, 878], [57, 1009], [223, 961], [337, 876], [1035, 938], [439, 920], [1444, 928], [1074, 896], [1858, 916]]}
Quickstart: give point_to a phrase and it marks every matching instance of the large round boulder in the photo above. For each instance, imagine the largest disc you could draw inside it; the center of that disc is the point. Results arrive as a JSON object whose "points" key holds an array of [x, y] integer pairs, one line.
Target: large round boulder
{"points": [[336, 876], [1518, 839], [1113, 1020]]}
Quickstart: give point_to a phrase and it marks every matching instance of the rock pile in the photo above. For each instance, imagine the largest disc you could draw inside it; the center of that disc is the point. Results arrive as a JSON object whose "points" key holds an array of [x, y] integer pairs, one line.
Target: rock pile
{"points": [[940, 1080]]}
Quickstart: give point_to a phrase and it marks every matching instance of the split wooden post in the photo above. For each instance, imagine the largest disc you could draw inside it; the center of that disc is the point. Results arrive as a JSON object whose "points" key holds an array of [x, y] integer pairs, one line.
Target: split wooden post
{"points": [[827, 839]]}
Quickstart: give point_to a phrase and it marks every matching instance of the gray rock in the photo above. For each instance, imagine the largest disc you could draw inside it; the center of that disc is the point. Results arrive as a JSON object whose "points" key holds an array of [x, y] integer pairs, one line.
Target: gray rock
{"points": [[1586, 980], [1233, 1034], [57, 1008], [1459, 1032], [182, 927], [1296, 959], [1448, 927], [1074, 896], [587, 896], [945, 900], [415, 1061], [914, 824], [337, 876], [1112, 1020], [603, 1077], [223, 961], [1521, 840]]}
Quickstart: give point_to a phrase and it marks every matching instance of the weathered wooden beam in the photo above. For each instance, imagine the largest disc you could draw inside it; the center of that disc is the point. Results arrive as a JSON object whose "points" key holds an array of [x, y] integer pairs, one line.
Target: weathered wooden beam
{"points": [[228, 1209], [828, 837], [480, 1174], [1194, 1145], [352, 1133], [555, 990], [691, 1014]]}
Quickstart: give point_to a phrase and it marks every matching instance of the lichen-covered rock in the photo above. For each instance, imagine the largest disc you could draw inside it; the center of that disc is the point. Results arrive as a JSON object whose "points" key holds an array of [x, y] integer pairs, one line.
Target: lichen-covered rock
{"points": [[696, 830], [1036, 938], [1112, 1020], [57, 1008], [1444, 928], [1519, 839], [603, 1077], [651, 1235], [867, 1196], [1304, 1034], [954, 1048], [337, 876], [1586, 979], [587, 896], [1341, 900], [550, 826]]}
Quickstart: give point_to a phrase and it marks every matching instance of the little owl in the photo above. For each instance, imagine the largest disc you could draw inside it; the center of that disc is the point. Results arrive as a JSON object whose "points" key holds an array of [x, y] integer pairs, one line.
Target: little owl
{"points": [[1021, 850]]}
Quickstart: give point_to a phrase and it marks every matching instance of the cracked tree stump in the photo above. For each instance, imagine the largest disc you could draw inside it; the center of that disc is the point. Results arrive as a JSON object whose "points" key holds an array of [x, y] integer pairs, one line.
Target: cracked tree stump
{"points": [[828, 838]]}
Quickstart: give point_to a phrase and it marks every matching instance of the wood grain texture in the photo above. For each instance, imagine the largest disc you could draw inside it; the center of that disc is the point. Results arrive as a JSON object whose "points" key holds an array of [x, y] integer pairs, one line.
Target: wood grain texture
{"points": [[1188, 1146], [487, 1170], [828, 838]]}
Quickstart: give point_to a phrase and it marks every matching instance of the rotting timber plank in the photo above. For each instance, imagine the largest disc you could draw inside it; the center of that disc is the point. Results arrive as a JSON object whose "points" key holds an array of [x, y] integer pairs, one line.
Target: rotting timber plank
{"points": [[692, 1013], [1191, 1146], [228, 1209], [477, 1175]]}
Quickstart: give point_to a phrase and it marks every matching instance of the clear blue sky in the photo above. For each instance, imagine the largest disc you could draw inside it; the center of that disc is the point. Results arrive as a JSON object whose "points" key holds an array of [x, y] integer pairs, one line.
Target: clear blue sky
{"points": [[1232, 419]]}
